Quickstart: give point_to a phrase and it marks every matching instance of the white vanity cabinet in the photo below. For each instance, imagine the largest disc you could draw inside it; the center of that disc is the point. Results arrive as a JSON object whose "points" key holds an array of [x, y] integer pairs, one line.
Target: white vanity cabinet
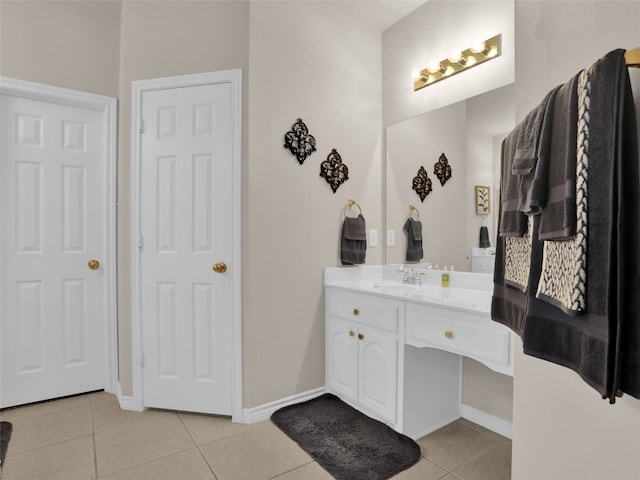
{"points": [[470, 334], [394, 351], [362, 350]]}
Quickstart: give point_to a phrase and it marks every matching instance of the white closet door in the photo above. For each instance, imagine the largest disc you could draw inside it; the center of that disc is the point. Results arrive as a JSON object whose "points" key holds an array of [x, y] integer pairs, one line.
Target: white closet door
{"points": [[54, 319], [186, 227]]}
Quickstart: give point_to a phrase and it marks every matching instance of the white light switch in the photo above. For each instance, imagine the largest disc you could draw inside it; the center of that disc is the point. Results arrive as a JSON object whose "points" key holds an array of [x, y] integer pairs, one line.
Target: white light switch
{"points": [[391, 238], [373, 238]]}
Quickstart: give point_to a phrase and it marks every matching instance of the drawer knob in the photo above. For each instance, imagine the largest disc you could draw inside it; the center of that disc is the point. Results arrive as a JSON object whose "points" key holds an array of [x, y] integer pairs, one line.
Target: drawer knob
{"points": [[448, 334], [360, 336], [356, 311], [351, 333]]}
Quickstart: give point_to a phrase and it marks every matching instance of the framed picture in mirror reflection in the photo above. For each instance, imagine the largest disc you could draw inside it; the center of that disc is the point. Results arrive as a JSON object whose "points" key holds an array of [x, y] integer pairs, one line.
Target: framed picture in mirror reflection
{"points": [[483, 206]]}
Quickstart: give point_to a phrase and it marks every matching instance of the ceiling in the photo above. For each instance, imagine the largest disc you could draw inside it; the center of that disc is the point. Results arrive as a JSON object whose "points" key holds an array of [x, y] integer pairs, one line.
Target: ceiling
{"points": [[380, 14]]}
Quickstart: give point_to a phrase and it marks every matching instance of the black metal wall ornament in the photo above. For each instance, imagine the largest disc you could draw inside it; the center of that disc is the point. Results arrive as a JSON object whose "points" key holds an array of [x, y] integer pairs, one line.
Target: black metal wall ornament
{"points": [[442, 169], [422, 184], [299, 142], [334, 171]]}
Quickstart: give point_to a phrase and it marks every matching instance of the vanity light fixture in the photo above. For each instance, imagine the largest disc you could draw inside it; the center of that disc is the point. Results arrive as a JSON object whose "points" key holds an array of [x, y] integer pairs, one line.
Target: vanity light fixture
{"points": [[478, 53]]}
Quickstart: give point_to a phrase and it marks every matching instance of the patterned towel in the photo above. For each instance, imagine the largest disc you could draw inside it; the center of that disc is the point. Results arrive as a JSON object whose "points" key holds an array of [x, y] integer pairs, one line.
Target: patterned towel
{"points": [[563, 281]]}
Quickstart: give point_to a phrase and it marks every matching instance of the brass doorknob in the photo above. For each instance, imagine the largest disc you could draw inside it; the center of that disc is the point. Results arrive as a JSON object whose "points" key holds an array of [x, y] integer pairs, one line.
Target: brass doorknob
{"points": [[356, 311], [360, 336], [351, 333], [93, 264], [448, 334], [220, 267]]}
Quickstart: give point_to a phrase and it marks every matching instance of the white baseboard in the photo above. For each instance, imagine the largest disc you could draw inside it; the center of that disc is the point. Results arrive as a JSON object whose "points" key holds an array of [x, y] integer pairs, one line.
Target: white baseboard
{"points": [[127, 402], [487, 420], [264, 412]]}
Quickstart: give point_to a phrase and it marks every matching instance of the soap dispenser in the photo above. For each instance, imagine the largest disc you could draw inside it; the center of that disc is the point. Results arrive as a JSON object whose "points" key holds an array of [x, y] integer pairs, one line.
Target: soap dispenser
{"points": [[445, 278]]}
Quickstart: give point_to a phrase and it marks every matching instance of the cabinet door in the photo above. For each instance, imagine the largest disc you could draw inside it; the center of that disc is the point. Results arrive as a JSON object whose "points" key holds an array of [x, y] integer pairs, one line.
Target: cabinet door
{"points": [[342, 359], [378, 375]]}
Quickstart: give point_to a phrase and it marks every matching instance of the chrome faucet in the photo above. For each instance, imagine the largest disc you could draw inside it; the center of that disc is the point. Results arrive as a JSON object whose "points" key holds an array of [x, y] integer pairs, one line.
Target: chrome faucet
{"points": [[409, 275]]}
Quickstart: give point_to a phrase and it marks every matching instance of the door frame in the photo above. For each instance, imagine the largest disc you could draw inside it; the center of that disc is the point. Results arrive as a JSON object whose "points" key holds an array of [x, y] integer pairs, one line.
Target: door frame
{"points": [[107, 106], [138, 88]]}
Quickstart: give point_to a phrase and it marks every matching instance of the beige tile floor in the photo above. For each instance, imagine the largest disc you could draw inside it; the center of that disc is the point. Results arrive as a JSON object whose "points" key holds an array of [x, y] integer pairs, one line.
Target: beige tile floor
{"points": [[88, 437]]}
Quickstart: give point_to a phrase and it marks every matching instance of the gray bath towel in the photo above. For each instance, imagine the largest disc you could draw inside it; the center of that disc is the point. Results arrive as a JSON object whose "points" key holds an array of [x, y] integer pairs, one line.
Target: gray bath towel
{"points": [[558, 218], [414, 239], [603, 344], [353, 242], [509, 301]]}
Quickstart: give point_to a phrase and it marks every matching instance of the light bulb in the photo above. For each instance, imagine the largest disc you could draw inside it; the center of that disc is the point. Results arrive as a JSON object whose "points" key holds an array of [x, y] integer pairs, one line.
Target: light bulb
{"points": [[455, 57], [434, 66], [415, 74], [478, 47]]}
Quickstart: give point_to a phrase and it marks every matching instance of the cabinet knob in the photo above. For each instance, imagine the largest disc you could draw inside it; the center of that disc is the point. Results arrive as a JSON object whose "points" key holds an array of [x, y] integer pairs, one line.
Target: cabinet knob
{"points": [[356, 311], [360, 336], [448, 334], [351, 333]]}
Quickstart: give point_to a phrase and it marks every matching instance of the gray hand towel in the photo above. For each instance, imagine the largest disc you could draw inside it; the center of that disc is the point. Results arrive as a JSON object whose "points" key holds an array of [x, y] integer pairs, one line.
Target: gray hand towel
{"points": [[533, 181], [513, 223], [531, 146], [354, 241], [414, 239], [558, 217]]}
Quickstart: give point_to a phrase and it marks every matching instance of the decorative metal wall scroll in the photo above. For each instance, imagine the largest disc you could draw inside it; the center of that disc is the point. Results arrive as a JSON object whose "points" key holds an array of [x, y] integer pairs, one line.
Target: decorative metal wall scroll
{"points": [[334, 171], [442, 169], [422, 184], [299, 142]]}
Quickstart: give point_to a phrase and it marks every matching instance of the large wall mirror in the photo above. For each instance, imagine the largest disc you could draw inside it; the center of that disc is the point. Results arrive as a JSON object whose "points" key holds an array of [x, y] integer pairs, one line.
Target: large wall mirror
{"points": [[469, 134]]}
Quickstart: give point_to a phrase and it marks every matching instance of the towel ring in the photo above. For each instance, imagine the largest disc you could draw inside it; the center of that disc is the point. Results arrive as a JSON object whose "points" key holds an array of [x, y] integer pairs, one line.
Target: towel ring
{"points": [[351, 203], [413, 209]]}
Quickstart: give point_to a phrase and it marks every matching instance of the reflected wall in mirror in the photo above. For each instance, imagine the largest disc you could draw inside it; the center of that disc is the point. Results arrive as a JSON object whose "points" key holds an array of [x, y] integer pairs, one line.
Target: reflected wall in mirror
{"points": [[470, 134]]}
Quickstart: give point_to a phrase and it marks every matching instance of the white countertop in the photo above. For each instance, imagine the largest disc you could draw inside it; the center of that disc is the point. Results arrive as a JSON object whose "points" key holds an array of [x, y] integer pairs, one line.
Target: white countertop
{"points": [[469, 292]]}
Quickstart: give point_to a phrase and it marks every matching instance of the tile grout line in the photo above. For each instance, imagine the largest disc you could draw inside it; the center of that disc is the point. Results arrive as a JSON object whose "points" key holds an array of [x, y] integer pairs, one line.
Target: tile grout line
{"points": [[93, 436], [293, 470], [210, 467]]}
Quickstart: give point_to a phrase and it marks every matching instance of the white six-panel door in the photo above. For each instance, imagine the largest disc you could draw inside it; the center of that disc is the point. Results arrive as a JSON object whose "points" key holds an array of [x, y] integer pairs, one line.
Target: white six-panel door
{"points": [[55, 308], [186, 228]]}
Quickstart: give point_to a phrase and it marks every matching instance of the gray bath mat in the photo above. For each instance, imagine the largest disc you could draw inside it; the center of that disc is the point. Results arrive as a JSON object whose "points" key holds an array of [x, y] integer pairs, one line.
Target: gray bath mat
{"points": [[346, 443], [5, 435]]}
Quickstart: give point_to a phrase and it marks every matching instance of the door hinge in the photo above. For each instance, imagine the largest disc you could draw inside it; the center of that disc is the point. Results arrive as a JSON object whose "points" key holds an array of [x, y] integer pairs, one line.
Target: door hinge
{"points": [[140, 242], [141, 361], [141, 125]]}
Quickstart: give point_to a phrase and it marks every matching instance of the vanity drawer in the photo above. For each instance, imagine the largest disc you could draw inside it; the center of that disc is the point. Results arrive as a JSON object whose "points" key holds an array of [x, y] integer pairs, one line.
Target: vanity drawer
{"points": [[472, 335], [369, 310]]}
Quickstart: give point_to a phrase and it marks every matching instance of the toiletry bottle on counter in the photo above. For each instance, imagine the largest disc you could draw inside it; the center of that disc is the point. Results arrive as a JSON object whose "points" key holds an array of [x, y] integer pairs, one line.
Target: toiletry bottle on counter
{"points": [[445, 278]]}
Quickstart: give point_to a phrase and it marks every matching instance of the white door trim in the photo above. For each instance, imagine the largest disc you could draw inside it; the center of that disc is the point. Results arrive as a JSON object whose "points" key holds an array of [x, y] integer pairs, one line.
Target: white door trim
{"points": [[234, 78], [107, 106]]}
